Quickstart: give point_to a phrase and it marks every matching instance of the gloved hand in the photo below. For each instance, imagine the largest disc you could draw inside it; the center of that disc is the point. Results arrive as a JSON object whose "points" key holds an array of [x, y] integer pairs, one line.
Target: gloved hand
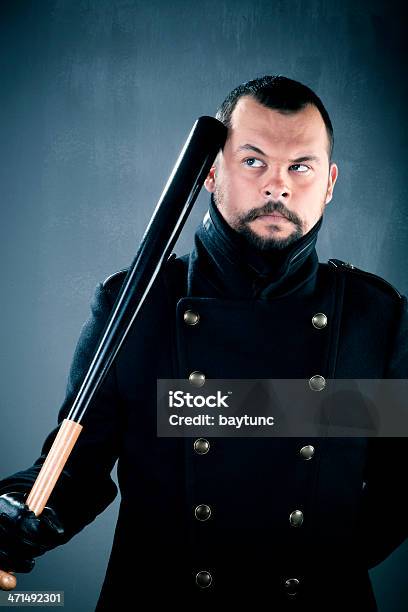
{"points": [[23, 535]]}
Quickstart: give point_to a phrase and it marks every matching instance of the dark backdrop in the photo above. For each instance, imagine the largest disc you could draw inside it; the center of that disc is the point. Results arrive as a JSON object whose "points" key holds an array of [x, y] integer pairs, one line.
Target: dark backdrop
{"points": [[97, 97]]}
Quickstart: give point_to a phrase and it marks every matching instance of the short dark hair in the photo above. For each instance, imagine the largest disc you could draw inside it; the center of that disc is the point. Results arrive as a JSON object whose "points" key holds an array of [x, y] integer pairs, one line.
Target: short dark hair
{"points": [[279, 93]]}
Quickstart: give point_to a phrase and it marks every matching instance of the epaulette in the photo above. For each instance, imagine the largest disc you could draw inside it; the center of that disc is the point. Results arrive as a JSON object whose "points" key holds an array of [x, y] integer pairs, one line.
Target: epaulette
{"points": [[116, 276], [120, 274], [343, 266]]}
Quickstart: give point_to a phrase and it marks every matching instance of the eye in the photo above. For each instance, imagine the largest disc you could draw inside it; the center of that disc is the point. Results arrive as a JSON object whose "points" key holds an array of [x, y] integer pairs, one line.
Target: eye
{"points": [[299, 168], [253, 162]]}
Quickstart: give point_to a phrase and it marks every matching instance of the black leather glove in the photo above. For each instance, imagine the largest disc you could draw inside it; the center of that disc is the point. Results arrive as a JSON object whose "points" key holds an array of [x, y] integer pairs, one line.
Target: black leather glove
{"points": [[23, 535]]}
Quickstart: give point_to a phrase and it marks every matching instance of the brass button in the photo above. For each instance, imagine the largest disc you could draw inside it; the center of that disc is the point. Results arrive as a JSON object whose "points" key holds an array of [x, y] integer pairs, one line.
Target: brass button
{"points": [[201, 446], [191, 318], [292, 586], [196, 378], [317, 383], [296, 518], [203, 579], [307, 452], [202, 512], [319, 320]]}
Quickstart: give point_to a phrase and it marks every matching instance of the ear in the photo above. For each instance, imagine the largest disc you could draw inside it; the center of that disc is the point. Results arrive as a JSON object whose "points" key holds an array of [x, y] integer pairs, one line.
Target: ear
{"points": [[209, 182], [333, 174]]}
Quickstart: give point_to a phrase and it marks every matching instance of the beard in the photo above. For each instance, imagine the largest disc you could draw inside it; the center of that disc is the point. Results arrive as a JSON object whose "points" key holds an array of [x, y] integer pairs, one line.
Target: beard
{"points": [[241, 224]]}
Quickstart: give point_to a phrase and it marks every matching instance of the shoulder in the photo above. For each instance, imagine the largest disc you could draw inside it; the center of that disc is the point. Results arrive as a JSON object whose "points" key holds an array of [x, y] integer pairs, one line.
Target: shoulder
{"points": [[364, 281]]}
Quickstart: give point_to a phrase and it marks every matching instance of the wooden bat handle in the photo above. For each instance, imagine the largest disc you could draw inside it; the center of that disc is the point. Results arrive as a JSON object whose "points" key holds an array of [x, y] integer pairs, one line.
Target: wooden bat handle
{"points": [[50, 471]]}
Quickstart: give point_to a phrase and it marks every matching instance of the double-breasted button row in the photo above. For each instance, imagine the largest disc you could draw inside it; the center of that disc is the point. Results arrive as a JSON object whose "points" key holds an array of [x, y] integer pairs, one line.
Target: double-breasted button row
{"points": [[316, 382], [202, 512]]}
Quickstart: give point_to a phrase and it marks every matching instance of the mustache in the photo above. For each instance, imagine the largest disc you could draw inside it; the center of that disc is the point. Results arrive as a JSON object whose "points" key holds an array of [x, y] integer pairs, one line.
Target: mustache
{"points": [[269, 208]]}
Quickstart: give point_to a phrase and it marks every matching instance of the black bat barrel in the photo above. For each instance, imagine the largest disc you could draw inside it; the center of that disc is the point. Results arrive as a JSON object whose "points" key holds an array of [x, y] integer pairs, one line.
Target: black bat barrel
{"points": [[206, 138]]}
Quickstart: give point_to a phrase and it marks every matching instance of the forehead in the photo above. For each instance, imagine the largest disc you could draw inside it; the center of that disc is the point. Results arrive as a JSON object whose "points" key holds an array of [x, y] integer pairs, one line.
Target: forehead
{"points": [[256, 124]]}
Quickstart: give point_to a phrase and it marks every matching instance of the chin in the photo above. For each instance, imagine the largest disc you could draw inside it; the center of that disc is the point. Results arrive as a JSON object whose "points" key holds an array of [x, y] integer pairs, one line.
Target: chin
{"points": [[276, 239], [274, 230], [275, 233]]}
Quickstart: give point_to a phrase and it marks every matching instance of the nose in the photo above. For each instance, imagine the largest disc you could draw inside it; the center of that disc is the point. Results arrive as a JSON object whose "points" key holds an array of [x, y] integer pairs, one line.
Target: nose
{"points": [[275, 188]]}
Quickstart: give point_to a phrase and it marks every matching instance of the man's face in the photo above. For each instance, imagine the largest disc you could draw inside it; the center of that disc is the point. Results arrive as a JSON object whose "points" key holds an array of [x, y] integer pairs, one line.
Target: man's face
{"points": [[273, 179]]}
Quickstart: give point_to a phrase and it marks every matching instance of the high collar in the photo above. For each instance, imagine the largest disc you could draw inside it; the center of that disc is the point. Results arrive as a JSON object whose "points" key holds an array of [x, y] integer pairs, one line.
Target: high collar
{"points": [[224, 265]]}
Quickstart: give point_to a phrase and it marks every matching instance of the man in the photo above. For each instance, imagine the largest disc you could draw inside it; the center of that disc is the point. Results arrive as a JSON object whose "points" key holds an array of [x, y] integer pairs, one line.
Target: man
{"points": [[291, 522]]}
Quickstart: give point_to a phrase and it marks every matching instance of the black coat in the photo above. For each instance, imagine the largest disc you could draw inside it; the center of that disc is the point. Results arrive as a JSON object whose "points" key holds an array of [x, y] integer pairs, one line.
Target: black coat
{"points": [[255, 322]]}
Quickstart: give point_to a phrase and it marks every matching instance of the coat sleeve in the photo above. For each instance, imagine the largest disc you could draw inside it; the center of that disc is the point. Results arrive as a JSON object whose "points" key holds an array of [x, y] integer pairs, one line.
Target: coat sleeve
{"points": [[85, 487], [383, 526]]}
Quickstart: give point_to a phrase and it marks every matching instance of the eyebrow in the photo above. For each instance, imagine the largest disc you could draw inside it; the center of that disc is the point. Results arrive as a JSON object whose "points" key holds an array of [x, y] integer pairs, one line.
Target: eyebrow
{"points": [[298, 160]]}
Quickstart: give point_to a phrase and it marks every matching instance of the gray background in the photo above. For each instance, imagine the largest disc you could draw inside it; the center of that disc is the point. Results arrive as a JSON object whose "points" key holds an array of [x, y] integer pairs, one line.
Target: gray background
{"points": [[97, 97]]}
